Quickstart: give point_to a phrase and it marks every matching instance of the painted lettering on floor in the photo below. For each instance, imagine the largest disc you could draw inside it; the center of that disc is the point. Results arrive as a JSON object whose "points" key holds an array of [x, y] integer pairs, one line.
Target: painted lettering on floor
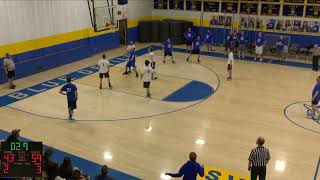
{"points": [[221, 174]]}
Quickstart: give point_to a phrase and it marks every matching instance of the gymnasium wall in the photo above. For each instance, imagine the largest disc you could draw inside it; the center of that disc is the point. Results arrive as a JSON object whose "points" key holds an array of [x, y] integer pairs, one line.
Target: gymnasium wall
{"points": [[138, 10], [202, 24], [46, 34]]}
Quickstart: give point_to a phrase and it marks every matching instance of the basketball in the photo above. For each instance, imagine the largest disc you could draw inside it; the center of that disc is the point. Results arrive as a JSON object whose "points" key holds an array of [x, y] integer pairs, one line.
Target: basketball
{"points": [[119, 12]]}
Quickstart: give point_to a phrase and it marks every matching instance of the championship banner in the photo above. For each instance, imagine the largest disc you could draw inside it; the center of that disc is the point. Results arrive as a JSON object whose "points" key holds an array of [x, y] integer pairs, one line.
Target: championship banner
{"points": [[211, 173]]}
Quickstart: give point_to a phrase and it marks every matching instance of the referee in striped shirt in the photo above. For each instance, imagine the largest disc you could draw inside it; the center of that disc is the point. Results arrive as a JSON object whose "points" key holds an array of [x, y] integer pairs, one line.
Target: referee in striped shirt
{"points": [[258, 160]]}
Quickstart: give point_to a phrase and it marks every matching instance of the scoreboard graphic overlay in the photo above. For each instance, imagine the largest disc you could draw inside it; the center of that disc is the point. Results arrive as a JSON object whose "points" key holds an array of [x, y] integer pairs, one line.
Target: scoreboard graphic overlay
{"points": [[21, 159]]}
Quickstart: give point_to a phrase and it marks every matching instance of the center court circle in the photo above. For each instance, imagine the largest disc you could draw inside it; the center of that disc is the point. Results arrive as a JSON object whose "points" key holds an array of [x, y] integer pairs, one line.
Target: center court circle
{"points": [[297, 114]]}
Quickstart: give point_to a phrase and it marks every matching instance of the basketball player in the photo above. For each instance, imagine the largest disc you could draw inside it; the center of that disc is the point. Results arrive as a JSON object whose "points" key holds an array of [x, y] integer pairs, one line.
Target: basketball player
{"points": [[147, 77], [208, 40], [131, 62], [70, 90], [9, 68], [189, 36], [153, 63], [228, 41], [242, 45], [230, 63], [280, 48], [235, 41], [167, 48], [104, 68], [315, 98], [196, 48], [259, 47], [130, 47]]}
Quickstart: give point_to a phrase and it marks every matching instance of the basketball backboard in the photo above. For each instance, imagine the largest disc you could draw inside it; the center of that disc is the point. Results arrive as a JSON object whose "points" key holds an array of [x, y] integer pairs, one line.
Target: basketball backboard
{"points": [[103, 14]]}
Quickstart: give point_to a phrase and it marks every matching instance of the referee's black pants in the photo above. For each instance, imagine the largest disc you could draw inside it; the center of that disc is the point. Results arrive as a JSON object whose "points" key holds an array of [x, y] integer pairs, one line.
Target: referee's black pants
{"points": [[315, 63], [258, 171]]}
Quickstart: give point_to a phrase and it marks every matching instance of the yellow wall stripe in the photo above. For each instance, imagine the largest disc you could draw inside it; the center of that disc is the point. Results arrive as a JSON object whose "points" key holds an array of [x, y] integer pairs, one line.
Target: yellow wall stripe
{"points": [[134, 22], [30, 45], [43, 42]]}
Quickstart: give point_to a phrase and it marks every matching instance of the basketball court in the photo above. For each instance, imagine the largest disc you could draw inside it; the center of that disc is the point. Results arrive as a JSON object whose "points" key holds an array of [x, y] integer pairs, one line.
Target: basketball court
{"points": [[193, 108]]}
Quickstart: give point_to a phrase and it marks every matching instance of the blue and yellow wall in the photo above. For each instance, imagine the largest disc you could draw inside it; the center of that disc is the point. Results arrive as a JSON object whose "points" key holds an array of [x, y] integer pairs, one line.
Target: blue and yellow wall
{"points": [[302, 39], [34, 56]]}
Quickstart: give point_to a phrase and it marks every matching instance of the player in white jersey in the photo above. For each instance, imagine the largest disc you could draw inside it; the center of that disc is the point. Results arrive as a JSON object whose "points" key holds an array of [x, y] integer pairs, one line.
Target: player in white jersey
{"points": [[147, 76], [104, 68], [230, 63], [153, 63], [130, 47]]}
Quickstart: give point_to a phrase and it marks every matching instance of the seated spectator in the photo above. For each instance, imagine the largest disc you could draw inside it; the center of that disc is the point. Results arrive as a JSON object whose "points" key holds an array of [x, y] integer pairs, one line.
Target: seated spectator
{"points": [[1, 140], [50, 167], [77, 174], [190, 169], [66, 169], [59, 178], [104, 174], [14, 136]]}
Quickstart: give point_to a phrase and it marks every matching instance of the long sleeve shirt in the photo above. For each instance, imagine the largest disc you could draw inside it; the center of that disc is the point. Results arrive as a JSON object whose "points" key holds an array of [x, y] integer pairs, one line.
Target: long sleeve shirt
{"points": [[189, 171], [315, 51], [8, 64]]}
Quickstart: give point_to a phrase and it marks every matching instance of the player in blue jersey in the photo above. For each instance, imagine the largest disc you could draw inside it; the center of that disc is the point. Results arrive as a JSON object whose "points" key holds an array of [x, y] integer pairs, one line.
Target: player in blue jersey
{"points": [[259, 46], [227, 41], [280, 48], [189, 36], [196, 48], [70, 90], [129, 48], [315, 99], [242, 44], [235, 41], [167, 49], [131, 62], [208, 39]]}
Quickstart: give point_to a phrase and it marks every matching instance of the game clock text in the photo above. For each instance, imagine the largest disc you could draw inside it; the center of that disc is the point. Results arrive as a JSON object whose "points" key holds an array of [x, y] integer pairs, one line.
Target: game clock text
{"points": [[21, 159]]}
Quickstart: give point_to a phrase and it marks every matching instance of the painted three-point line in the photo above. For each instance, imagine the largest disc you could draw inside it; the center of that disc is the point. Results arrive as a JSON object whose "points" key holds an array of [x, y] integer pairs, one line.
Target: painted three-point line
{"points": [[317, 170]]}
